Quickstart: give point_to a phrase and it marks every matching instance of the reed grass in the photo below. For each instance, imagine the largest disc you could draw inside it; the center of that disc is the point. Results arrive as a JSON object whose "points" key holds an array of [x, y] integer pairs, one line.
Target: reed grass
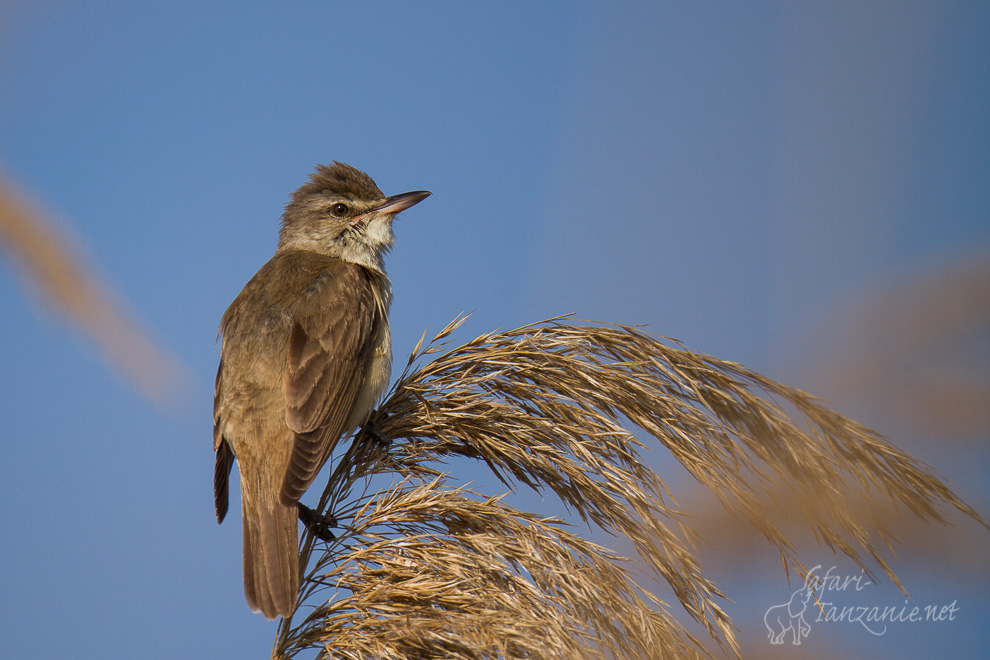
{"points": [[426, 568]]}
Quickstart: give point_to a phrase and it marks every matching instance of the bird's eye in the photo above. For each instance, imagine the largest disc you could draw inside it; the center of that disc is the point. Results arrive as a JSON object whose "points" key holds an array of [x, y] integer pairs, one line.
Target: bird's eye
{"points": [[339, 209]]}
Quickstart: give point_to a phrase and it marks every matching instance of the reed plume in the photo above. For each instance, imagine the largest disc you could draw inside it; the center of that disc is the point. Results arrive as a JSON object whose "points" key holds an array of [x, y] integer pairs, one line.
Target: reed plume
{"points": [[423, 567]]}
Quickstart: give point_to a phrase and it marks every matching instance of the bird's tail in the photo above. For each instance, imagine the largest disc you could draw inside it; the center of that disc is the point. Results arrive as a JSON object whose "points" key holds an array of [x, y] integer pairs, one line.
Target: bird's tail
{"points": [[271, 555]]}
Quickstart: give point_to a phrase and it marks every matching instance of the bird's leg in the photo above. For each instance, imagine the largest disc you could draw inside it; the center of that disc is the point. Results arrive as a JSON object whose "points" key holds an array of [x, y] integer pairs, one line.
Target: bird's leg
{"points": [[372, 429], [317, 522]]}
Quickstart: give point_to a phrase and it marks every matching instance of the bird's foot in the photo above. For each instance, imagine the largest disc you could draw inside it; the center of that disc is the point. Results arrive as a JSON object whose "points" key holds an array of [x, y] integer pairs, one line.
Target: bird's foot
{"points": [[372, 429], [317, 522]]}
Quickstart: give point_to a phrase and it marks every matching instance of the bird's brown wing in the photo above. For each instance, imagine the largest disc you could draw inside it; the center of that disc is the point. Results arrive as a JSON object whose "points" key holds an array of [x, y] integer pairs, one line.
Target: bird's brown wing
{"points": [[330, 346]]}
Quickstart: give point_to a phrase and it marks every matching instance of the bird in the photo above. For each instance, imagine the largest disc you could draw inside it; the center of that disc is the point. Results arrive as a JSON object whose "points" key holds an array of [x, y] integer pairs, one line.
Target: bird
{"points": [[305, 355]]}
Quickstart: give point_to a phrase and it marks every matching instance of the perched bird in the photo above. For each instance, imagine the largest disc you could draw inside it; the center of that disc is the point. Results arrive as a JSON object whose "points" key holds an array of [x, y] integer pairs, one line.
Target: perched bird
{"points": [[305, 355]]}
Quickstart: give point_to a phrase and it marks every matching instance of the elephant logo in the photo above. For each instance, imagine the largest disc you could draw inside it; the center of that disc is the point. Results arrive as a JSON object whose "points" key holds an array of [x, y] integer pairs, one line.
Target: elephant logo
{"points": [[789, 616]]}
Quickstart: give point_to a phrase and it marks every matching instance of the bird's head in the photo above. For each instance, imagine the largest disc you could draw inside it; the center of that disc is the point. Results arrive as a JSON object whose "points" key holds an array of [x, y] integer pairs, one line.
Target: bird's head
{"points": [[341, 212]]}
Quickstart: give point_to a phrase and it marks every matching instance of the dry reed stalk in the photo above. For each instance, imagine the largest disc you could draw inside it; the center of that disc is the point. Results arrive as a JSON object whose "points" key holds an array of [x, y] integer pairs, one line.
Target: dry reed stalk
{"points": [[915, 349], [425, 569], [52, 265]]}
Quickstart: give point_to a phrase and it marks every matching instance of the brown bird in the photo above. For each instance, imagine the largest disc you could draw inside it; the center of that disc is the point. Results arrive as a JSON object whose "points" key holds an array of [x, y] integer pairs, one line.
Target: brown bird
{"points": [[306, 354]]}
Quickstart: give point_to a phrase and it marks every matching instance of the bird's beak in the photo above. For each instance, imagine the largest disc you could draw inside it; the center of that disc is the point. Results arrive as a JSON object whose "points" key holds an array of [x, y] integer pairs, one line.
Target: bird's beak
{"points": [[392, 205], [397, 203]]}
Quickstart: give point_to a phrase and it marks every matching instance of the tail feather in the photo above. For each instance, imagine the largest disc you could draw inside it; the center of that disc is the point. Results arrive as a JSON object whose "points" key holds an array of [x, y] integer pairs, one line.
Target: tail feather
{"points": [[271, 556]]}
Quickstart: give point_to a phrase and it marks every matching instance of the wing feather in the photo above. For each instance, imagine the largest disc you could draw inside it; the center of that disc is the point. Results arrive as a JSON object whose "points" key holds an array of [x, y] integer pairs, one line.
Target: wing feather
{"points": [[328, 355], [225, 457]]}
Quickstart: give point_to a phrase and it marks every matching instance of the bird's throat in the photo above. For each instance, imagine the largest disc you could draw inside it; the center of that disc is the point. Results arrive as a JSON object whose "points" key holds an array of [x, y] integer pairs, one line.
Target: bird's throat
{"points": [[367, 244]]}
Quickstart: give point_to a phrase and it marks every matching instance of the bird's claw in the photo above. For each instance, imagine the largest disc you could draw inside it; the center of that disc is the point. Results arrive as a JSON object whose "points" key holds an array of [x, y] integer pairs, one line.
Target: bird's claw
{"points": [[317, 522]]}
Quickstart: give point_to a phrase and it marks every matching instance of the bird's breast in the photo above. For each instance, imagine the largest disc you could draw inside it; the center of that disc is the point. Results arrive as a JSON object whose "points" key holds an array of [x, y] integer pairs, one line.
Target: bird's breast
{"points": [[378, 372]]}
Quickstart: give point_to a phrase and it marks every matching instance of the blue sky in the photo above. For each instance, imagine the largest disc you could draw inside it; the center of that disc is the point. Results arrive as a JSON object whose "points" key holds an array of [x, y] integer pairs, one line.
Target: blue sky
{"points": [[731, 176]]}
